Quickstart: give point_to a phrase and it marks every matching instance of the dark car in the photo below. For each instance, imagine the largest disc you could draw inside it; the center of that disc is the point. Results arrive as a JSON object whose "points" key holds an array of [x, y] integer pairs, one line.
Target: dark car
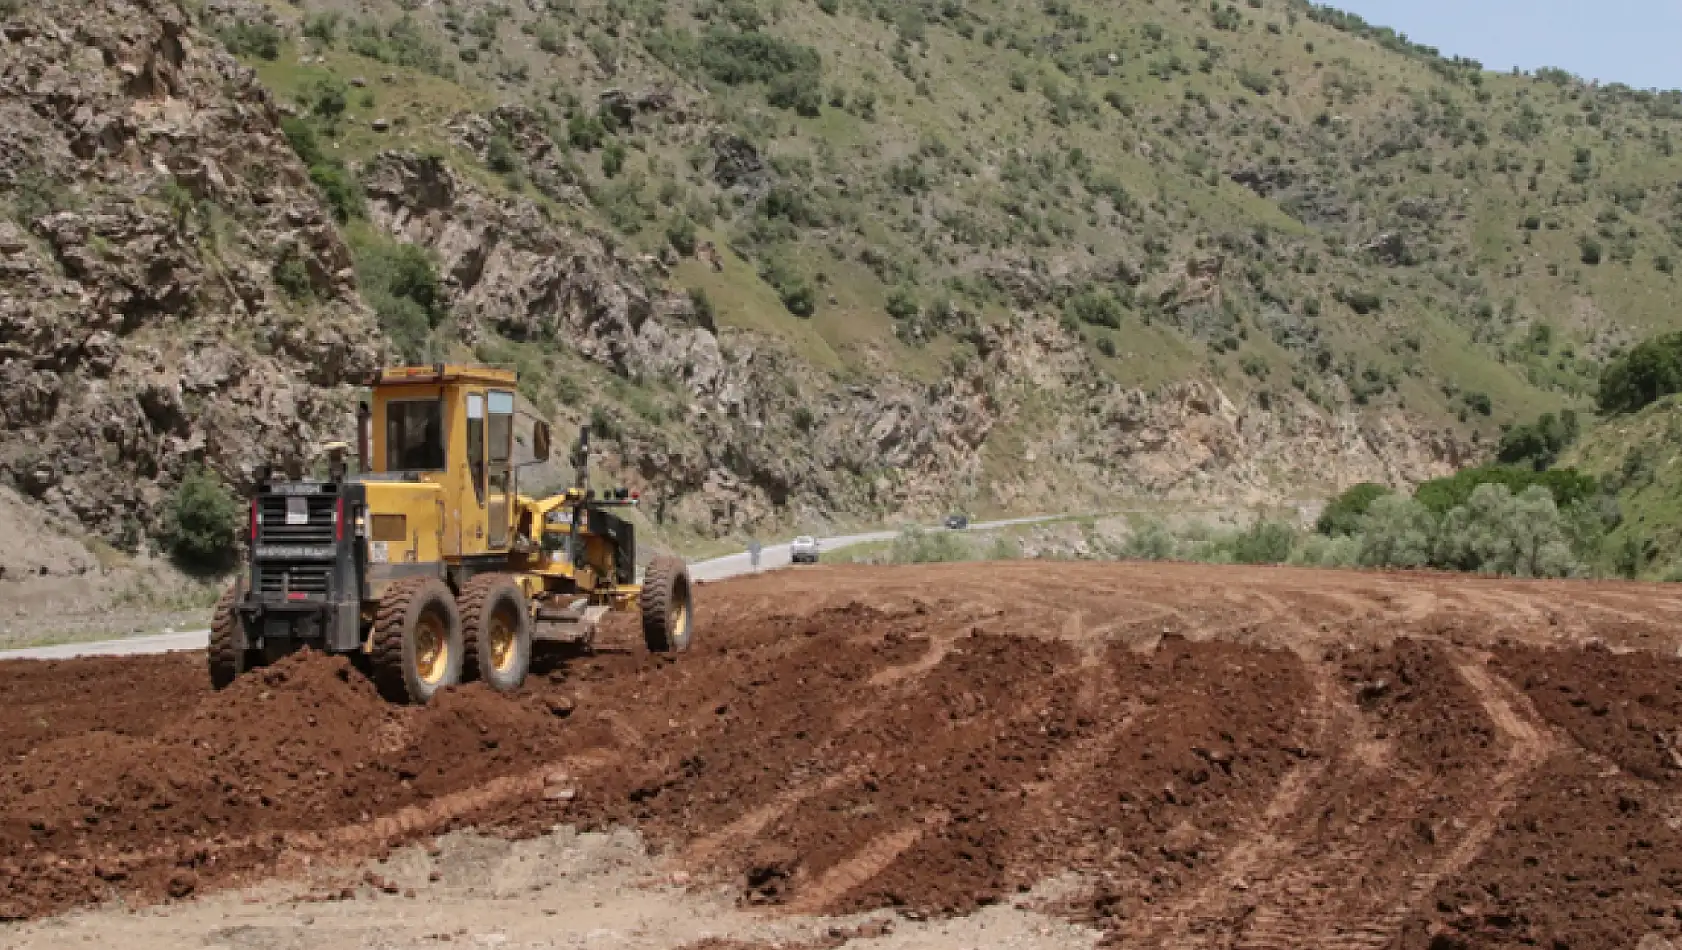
{"points": [[957, 522]]}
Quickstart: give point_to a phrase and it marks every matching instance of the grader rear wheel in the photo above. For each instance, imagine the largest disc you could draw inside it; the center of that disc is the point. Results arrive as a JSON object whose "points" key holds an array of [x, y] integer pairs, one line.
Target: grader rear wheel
{"points": [[227, 659], [496, 628], [418, 647], [668, 608]]}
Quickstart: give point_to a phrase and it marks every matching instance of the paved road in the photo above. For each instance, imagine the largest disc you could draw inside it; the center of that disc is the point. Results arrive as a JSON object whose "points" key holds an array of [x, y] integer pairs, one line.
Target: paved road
{"points": [[771, 557]]}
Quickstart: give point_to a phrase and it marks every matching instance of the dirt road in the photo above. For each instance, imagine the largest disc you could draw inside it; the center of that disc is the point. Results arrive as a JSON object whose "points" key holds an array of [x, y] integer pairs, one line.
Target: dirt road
{"points": [[1195, 757]]}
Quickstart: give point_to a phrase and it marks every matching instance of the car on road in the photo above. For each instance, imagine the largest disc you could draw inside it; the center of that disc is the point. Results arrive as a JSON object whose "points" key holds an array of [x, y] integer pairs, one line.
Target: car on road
{"points": [[957, 522], [804, 550]]}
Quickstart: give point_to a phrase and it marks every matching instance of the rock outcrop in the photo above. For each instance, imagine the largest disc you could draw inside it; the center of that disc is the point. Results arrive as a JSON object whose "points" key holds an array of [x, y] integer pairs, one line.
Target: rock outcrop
{"points": [[147, 193]]}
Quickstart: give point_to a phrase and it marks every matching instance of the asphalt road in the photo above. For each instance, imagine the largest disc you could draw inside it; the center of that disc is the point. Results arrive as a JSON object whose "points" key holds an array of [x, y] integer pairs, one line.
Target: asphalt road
{"points": [[771, 557]]}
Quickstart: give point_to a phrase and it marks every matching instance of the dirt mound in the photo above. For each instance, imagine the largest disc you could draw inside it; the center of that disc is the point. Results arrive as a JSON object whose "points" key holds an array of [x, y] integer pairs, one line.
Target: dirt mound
{"points": [[302, 746], [1213, 757], [1590, 855]]}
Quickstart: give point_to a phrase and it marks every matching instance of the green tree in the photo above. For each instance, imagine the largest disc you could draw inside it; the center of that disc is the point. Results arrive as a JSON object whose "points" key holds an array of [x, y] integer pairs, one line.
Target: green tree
{"points": [[1647, 373], [1397, 532], [1540, 443], [1567, 485], [201, 524], [1342, 516], [1496, 532]]}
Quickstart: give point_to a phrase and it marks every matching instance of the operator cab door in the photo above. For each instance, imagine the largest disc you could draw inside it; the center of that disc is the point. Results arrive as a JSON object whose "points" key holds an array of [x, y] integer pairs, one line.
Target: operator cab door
{"points": [[490, 444]]}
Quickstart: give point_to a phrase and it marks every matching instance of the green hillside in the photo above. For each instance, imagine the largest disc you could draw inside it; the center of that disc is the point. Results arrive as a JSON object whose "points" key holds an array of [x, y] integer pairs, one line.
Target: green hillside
{"points": [[1377, 225]]}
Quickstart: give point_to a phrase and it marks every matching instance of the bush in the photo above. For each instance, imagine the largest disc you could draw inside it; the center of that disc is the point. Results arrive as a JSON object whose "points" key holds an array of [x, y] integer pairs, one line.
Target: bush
{"points": [[292, 276], [791, 287], [703, 306], [1540, 443], [401, 283], [799, 92], [902, 304], [1320, 551], [1567, 486], [1342, 515], [248, 38], [1151, 541], [680, 234], [613, 159], [916, 546], [1647, 373], [340, 189], [202, 522], [500, 154], [1496, 532], [1590, 251], [1095, 306], [1265, 542], [736, 58], [1396, 532]]}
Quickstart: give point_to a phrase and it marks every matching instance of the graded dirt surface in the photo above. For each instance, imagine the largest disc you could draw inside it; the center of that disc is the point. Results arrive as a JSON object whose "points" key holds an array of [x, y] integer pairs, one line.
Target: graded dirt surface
{"points": [[1196, 756]]}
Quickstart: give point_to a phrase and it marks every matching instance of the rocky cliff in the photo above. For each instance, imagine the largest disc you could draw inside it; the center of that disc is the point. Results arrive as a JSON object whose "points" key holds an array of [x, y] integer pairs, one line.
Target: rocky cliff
{"points": [[151, 202], [173, 291]]}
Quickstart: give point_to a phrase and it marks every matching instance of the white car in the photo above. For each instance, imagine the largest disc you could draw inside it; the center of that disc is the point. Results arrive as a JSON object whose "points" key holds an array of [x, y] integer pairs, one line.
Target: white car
{"points": [[803, 550]]}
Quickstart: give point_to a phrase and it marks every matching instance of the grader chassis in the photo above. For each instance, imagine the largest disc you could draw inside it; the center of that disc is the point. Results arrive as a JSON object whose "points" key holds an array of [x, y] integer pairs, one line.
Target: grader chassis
{"points": [[428, 567]]}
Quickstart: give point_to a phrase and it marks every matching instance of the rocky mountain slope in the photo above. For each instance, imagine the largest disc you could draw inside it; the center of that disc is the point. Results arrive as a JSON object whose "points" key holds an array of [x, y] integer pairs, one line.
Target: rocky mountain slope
{"points": [[809, 261]]}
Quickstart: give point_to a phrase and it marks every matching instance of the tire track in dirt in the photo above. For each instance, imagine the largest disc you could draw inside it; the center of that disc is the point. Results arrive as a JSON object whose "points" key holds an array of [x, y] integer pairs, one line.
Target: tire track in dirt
{"points": [[1298, 880]]}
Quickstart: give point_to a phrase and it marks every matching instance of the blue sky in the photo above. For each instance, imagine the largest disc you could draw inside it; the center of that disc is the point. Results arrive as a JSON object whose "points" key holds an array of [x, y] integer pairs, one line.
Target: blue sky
{"points": [[1636, 42]]}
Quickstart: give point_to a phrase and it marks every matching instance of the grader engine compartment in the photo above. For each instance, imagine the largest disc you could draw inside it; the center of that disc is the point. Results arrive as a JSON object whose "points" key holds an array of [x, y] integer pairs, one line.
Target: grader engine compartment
{"points": [[427, 565], [306, 576]]}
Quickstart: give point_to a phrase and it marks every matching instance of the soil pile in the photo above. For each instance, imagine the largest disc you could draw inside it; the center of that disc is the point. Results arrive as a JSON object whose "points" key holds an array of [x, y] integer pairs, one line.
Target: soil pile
{"points": [[1212, 756]]}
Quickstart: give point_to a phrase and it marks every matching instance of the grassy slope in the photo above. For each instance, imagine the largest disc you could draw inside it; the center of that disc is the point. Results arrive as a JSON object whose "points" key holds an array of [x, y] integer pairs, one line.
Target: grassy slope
{"points": [[989, 101]]}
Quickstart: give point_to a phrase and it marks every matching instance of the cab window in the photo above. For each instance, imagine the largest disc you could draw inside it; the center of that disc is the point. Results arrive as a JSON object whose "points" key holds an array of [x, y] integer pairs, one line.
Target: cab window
{"points": [[414, 436]]}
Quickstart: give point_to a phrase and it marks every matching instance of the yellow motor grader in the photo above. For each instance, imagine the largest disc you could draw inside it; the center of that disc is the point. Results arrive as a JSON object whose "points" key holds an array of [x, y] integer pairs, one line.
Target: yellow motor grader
{"points": [[428, 566]]}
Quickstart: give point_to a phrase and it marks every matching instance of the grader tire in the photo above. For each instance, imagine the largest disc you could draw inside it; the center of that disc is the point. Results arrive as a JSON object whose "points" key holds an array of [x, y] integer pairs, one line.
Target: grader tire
{"points": [[227, 660], [417, 641], [668, 608], [496, 632]]}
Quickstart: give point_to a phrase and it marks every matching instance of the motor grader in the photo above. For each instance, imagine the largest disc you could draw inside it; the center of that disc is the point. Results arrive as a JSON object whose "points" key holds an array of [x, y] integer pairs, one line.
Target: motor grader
{"points": [[427, 566]]}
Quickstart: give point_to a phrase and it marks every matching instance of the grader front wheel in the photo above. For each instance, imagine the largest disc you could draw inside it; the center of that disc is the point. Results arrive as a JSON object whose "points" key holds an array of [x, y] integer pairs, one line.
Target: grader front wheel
{"points": [[668, 608], [418, 648]]}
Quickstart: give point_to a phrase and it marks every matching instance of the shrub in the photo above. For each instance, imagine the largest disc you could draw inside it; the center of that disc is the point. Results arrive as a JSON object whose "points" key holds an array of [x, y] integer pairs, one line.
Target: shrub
{"points": [[1265, 542], [680, 234], [613, 159], [1567, 486], [798, 92], [340, 190], [1150, 541], [252, 38], [1396, 532], [1320, 551], [703, 305], [1590, 251], [292, 276], [902, 304], [500, 154], [401, 283], [1647, 373], [201, 524], [736, 58], [1095, 306], [803, 419], [916, 546], [791, 287], [1496, 532], [1540, 443], [1342, 515], [332, 97]]}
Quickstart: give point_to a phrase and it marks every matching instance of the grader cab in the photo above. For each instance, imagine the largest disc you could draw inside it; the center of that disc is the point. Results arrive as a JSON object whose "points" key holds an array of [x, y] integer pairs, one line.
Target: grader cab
{"points": [[428, 566]]}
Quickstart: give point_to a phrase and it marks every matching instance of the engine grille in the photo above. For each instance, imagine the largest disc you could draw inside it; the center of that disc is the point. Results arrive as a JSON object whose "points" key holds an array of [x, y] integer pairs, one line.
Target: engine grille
{"points": [[319, 529], [300, 581]]}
